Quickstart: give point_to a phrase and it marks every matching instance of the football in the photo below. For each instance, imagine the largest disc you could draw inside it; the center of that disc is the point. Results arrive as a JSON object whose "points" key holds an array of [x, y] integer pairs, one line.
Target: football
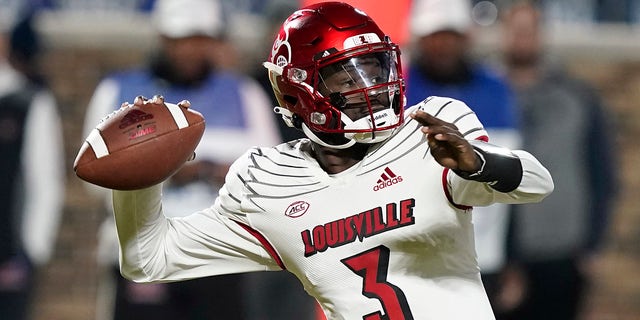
{"points": [[140, 144]]}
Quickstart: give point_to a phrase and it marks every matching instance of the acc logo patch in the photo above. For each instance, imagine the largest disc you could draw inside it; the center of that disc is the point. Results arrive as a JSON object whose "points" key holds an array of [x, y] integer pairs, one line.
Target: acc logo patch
{"points": [[297, 209]]}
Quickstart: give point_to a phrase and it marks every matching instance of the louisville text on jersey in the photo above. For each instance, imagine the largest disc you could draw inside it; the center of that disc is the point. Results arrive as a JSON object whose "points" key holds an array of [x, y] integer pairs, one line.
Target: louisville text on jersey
{"points": [[359, 226]]}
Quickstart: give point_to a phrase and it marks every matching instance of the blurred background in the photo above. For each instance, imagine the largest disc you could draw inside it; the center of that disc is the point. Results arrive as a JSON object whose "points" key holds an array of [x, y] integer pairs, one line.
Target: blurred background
{"points": [[83, 40]]}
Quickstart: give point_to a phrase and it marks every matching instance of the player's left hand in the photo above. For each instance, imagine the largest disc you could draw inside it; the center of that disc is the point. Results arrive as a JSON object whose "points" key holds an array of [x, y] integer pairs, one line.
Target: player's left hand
{"points": [[447, 145]]}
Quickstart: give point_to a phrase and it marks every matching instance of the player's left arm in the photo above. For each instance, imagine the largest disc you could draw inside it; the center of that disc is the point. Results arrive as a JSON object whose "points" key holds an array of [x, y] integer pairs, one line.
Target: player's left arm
{"points": [[483, 173]]}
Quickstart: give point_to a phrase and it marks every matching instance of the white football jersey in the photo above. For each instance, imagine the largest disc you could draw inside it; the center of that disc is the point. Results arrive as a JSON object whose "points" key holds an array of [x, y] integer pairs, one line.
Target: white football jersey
{"points": [[389, 238]]}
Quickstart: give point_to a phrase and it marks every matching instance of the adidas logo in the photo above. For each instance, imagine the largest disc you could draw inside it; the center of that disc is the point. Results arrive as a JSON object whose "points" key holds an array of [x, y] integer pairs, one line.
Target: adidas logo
{"points": [[387, 179], [134, 116]]}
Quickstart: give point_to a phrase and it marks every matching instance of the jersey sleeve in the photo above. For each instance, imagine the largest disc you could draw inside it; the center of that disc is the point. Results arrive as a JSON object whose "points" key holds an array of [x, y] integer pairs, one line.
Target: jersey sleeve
{"points": [[453, 111], [536, 181], [535, 185], [213, 241]]}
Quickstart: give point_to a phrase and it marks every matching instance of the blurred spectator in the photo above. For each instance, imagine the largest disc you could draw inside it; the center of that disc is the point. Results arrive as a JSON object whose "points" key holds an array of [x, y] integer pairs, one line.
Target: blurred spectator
{"points": [[442, 64], [25, 48], [570, 11], [619, 11], [185, 67], [565, 125], [591, 11], [122, 6], [33, 178]]}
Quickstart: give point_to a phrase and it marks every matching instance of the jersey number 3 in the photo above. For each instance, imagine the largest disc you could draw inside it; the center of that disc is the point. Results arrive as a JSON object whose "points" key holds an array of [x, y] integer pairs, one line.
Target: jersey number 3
{"points": [[372, 266]]}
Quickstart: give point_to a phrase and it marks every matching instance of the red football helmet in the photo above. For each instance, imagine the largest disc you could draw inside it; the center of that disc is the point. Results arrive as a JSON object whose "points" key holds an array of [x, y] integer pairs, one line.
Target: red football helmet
{"points": [[337, 76]]}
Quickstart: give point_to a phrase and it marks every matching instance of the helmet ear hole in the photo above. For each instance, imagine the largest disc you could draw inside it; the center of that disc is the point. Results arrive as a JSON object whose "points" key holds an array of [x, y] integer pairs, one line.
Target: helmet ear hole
{"points": [[297, 121], [290, 99]]}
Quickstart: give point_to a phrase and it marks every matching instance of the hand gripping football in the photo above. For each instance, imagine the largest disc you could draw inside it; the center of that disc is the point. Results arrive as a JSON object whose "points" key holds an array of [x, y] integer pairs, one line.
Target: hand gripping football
{"points": [[140, 145]]}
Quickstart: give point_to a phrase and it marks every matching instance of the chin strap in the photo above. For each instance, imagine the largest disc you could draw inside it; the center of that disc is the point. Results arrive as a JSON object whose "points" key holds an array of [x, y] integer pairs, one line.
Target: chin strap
{"points": [[383, 118], [286, 115], [319, 141], [353, 137]]}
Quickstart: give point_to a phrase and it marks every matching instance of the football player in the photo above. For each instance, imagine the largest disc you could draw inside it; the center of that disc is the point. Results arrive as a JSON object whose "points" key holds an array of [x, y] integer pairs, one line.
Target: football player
{"points": [[371, 212]]}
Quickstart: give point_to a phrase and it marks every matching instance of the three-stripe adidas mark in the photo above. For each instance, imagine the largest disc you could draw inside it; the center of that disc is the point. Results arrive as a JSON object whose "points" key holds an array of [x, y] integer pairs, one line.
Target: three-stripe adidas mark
{"points": [[387, 179]]}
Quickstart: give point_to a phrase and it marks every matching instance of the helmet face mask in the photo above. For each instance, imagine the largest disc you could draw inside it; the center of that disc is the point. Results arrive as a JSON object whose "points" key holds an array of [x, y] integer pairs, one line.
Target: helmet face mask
{"points": [[334, 69], [360, 88]]}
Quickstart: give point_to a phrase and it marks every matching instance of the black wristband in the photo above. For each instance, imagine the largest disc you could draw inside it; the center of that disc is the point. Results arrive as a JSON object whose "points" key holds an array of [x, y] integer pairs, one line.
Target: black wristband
{"points": [[501, 169]]}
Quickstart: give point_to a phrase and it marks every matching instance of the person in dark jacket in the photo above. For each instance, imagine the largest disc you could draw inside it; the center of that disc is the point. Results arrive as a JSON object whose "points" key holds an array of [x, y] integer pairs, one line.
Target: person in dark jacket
{"points": [[566, 125], [31, 166]]}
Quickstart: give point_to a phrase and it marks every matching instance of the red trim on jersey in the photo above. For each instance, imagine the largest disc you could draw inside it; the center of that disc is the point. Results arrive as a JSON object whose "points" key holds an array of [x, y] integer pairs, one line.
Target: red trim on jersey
{"points": [[445, 187], [265, 243], [319, 313], [483, 138]]}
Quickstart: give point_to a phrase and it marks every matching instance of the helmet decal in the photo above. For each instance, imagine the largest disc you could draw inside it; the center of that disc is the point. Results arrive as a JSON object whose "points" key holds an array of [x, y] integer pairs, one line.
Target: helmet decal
{"points": [[280, 58], [360, 39]]}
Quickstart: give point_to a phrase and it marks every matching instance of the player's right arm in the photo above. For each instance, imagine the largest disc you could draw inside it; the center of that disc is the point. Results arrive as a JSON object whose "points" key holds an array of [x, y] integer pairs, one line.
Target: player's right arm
{"points": [[154, 248]]}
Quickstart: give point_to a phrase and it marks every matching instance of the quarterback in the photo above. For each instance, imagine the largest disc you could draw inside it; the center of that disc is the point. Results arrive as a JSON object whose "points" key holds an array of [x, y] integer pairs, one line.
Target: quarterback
{"points": [[371, 212]]}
